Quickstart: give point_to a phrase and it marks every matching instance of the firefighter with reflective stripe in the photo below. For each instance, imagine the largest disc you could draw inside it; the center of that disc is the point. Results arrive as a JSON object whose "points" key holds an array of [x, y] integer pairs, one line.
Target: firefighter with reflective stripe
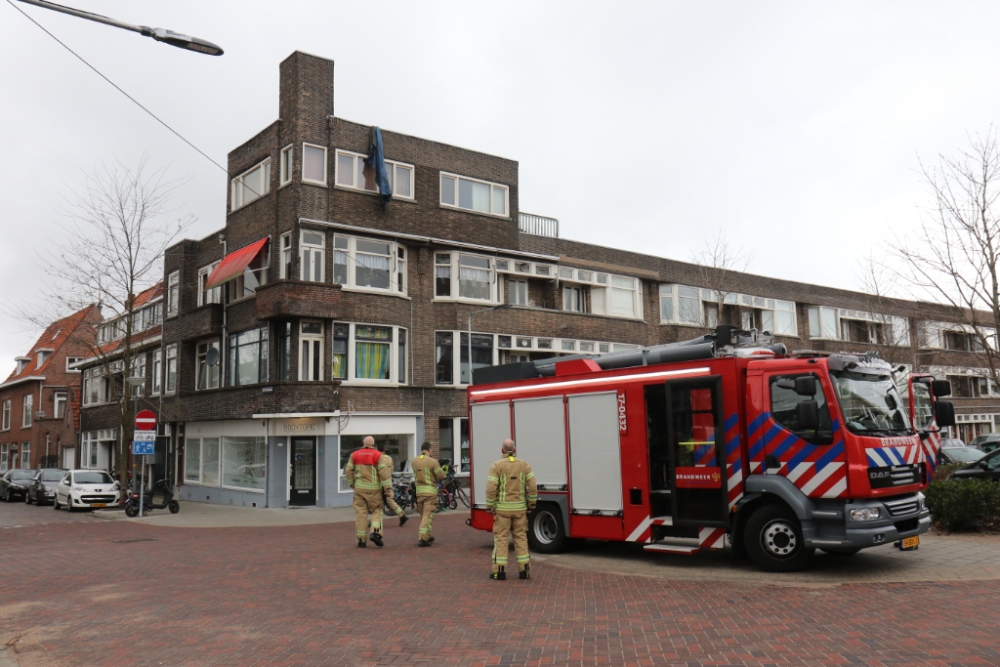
{"points": [[427, 472], [510, 495], [390, 498], [370, 478]]}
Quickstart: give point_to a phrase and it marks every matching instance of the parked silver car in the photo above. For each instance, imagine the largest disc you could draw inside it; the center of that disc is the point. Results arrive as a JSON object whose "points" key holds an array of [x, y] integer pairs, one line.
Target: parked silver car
{"points": [[42, 489]]}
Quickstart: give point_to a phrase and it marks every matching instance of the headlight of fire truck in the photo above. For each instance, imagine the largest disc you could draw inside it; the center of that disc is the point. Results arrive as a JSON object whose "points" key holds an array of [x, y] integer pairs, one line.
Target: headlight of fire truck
{"points": [[865, 514]]}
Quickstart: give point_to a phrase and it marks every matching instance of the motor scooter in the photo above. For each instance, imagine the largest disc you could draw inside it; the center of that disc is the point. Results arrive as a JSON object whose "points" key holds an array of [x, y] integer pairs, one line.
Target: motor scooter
{"points": [[132, 501]]}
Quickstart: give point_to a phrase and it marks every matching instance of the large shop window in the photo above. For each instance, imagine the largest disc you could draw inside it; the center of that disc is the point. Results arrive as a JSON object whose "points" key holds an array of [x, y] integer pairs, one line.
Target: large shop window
{"points": [[396, 445], [368, 353], [464, 276], [473, 194], [248, 357], [201, 462], [454, 437], [243, 462], [354, 172], [369, 264]]}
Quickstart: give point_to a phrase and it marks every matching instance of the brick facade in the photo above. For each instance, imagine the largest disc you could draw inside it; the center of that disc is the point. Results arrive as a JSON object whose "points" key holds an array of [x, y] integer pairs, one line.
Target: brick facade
{"points": [[423, 227]]}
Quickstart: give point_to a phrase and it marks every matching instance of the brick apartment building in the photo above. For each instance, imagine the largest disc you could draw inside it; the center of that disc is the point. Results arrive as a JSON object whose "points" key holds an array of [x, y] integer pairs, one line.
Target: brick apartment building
{"points": [[337, 319], [40, 401]]}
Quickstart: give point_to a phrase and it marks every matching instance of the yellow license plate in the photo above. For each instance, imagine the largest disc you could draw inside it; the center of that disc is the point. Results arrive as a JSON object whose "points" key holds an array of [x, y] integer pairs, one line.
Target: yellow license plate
{"points": [[911, 542], [98, 504]]}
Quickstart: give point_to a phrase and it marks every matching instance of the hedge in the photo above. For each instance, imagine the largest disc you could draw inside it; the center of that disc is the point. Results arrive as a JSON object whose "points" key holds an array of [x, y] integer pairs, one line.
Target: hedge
{"points": [[967, 503]]}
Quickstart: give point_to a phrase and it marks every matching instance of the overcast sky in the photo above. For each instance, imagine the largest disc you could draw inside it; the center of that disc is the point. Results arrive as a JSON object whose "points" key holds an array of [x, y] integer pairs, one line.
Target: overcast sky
{"points": [[796, 127]]}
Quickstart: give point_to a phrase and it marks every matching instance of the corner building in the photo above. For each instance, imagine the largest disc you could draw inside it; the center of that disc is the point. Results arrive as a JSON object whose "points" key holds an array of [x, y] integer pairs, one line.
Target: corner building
{"points": [[335, 319]]}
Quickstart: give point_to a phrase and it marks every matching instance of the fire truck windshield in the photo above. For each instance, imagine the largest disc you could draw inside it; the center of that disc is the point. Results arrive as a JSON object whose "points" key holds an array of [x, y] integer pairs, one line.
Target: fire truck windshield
{"points": [[870, 404]]}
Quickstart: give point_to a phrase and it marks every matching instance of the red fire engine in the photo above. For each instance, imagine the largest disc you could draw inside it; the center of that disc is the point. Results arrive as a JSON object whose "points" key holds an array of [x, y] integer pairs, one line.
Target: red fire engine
{"points": [[726, 439]]}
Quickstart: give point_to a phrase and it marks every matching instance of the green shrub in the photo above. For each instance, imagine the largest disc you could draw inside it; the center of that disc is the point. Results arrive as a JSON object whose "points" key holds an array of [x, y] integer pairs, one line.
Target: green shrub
{"points": [[966, 503]]}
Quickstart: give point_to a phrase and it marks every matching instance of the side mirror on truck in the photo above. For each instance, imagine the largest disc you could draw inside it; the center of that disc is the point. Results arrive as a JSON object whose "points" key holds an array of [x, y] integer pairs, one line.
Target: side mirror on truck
{"points": [[807, 414], [805, 385], [944, 413], [941, 388]]}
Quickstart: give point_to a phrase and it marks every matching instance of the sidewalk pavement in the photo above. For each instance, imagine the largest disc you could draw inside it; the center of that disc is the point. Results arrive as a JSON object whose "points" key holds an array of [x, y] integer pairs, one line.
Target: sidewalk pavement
{"points": [[207, 515]]}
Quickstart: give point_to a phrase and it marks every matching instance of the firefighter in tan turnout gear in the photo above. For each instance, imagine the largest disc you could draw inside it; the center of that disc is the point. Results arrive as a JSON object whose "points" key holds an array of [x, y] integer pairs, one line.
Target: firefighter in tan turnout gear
{"points": [[510, 495], [370, 477], [427, 472], [390, 499]]}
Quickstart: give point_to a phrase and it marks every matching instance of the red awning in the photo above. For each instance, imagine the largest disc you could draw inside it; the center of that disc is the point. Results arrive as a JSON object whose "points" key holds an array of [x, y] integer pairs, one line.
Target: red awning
{"points": [[234, 263]]}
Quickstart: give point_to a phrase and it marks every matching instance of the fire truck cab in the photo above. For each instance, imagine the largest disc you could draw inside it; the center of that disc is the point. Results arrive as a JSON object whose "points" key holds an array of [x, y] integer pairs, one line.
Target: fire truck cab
{"points": [[726, 439]]}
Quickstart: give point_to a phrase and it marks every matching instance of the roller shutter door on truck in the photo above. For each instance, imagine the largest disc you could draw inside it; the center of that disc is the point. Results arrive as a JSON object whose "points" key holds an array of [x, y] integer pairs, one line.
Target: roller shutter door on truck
{"points": [[540, 428], [594, 453], [490, 427]]}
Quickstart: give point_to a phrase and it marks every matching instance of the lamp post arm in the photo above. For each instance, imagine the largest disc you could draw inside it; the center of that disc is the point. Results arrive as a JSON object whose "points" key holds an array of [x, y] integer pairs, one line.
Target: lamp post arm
{"points": [[90, 16]]}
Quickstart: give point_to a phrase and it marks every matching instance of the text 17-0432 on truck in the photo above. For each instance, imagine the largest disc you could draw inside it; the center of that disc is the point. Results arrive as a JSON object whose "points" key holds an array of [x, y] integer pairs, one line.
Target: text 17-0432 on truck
{"points": [[726, 439]]}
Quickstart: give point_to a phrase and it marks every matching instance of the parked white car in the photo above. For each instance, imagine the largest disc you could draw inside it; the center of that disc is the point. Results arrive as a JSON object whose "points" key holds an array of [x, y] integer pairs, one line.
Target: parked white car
{"points": [[81, 489]]}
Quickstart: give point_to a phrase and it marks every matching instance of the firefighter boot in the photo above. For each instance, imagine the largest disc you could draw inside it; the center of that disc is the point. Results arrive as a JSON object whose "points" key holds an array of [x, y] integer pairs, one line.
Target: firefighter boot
{"points": [[377, 539], [499, 575], [361, 544], [525, 573], [403, 519], [423, 543]]}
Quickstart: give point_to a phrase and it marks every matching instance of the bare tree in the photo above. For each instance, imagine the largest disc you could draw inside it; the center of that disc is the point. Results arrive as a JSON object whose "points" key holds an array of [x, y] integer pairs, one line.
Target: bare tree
{"points": [[889, 320], [722, 268], [954, 257], [111, 247]]}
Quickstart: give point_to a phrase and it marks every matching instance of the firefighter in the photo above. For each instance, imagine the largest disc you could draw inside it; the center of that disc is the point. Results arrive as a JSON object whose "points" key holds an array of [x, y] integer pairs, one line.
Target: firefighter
{"points": [[370, 478], [390, 499], [510, 495], [427, 472]]}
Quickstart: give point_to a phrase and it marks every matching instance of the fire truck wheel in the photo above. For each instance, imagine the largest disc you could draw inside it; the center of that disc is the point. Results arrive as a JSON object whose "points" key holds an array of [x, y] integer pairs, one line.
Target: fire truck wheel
{"points": [[773, 539], [545, 530]]}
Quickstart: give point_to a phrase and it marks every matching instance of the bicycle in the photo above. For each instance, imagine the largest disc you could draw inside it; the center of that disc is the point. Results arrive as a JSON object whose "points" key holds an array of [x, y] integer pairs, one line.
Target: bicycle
{"points": [[403, 492], [456, 489]]}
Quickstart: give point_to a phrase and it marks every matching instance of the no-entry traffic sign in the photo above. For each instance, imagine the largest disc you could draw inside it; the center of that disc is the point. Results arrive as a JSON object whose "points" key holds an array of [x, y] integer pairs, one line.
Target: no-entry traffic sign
{"points": [[145, 421]]}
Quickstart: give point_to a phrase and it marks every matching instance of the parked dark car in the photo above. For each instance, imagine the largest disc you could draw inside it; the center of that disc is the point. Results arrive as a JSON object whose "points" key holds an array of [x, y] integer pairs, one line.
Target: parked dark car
{"points": [[14, 483], [959, 455], [42, 489], [988, 467], [952, 442], [987, 442]]}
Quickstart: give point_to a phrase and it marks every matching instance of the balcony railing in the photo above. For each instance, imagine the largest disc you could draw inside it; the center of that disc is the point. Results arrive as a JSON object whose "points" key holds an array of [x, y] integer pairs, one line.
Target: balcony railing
{"points": [[538, 225]]}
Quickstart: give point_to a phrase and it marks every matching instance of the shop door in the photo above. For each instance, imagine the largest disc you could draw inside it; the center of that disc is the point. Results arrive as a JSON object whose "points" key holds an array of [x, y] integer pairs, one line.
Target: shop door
{"points": [[694, 433], [303, 471]]}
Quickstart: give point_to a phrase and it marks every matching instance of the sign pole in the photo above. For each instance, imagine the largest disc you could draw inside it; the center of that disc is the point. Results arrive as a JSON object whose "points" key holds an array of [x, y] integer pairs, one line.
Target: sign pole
{"points": [[143, 444], [142, 484]]}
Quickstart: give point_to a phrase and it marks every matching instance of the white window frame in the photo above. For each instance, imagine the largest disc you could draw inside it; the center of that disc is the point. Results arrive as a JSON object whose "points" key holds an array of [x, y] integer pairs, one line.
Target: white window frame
{"points": [[157, 372], [311, 339], [26, 410], [257, 190], [25, 454], [392, 168], [708, 302], [285, 258], [518, 292], [138, 370], [312, 250], [4, 456], [69, 364], [397, 264], [59, 404], [213, 295], [350, 362], [173, 293], [172, 358], [5, 425], [455, 194], [456, 270], [285, 164], [326, 166], [576, 301], [822, 335], [201, 360]]}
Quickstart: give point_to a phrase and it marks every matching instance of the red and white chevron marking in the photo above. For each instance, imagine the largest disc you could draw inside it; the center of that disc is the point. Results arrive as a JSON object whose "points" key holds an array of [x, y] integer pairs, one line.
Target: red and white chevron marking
{"points": [[712, 538]]}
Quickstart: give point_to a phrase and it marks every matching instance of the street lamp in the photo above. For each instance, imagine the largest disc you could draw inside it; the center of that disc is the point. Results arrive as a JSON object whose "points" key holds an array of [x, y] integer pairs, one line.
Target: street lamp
{"points": [[469, 342], [159, 34]]}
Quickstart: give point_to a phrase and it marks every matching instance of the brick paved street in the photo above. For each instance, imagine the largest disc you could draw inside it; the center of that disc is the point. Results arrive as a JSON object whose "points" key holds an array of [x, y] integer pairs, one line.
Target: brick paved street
{"points": [[121, 593], [18, 513]]}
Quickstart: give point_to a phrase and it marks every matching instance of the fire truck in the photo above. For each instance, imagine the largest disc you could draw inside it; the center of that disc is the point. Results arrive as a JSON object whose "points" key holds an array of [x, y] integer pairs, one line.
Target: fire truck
{"points": [[727, 439]]}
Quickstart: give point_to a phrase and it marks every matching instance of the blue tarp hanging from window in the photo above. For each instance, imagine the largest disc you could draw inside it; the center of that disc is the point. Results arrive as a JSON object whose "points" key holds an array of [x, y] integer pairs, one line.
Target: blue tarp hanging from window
{"points": [[376, 161]]}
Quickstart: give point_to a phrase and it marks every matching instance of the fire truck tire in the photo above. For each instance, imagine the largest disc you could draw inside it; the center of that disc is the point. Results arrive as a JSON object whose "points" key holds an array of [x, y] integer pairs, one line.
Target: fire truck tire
{"points": [[773, 538], [546, 533]]}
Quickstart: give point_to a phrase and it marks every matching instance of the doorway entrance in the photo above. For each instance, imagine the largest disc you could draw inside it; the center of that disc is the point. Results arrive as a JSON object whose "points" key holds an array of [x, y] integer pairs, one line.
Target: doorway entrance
{"points": [[695, 440], [303, 482]]}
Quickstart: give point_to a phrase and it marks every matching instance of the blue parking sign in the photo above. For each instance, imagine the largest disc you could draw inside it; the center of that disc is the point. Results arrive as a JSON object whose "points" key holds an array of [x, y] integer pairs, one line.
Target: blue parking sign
{"points": [[142, 447]]}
